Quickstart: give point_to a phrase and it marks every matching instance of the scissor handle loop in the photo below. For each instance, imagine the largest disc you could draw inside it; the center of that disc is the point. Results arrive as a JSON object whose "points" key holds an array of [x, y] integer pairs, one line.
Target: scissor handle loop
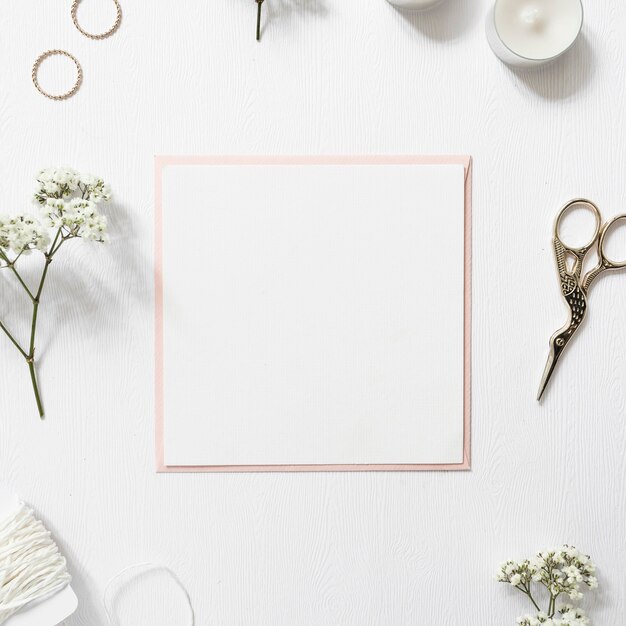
{"points": [[582, 250], [606, 262]]}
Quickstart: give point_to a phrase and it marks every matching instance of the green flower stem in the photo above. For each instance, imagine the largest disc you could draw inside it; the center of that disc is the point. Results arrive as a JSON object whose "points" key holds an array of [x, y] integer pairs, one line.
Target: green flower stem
{"points": [[28, 291], [54, 243], [11, 265], [525, 589], [33, 378], [259, 3], [13, 340], [35, 298], [530, 595], [552, 607], [30, 359]]}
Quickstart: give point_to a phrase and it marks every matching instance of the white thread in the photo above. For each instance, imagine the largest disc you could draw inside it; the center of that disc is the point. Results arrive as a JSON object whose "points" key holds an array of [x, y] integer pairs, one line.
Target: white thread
{"points": [[110, 613], [31, 567]]}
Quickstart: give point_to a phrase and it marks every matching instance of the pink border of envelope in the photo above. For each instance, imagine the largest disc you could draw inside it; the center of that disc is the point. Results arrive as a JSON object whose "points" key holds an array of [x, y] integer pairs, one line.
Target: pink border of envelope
{"points": [[163, 161]]}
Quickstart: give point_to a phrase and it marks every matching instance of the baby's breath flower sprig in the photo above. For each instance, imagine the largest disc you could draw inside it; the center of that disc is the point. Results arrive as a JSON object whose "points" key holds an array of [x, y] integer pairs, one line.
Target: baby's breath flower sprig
{"points": [[562, 572], [69, 206], [569, 616]]}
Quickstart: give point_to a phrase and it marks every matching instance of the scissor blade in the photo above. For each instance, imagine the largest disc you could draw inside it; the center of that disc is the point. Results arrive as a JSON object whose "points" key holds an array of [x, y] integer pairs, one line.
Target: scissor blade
{"points": [[547, 373]]}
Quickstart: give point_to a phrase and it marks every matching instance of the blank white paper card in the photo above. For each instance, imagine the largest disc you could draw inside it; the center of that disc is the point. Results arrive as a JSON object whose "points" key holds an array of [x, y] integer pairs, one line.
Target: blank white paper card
{"points": [[312, 314]]}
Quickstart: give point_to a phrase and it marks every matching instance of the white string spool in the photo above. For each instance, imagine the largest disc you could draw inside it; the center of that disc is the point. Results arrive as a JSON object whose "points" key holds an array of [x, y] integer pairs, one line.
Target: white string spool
{"points": [[31, 566]]}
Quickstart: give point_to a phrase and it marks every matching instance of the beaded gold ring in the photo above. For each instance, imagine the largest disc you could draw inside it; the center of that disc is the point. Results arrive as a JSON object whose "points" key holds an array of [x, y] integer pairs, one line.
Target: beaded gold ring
{"points": [[108, 33], [79, 74]]}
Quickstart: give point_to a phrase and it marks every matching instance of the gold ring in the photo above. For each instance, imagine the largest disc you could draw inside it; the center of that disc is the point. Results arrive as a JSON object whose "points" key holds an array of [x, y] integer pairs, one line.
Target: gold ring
{"points": [[109, 32], [79, 75]]}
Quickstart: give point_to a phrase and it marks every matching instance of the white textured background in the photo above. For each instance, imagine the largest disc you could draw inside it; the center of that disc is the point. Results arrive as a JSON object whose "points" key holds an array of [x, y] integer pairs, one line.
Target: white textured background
{"points": [[330, 77]]}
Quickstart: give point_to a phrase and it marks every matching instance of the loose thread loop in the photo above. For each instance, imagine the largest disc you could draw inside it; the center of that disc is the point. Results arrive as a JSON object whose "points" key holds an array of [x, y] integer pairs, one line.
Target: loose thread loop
{"points": [[146, 567]]}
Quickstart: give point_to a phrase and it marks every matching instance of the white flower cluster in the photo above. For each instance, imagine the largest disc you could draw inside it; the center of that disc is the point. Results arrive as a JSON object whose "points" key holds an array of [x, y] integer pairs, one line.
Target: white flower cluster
{"points": [[77, 217], [568, 616], [94, 188], [62, 182], [23, 233], [69, 204], [562, 571], [54, 182], [517, 574]]}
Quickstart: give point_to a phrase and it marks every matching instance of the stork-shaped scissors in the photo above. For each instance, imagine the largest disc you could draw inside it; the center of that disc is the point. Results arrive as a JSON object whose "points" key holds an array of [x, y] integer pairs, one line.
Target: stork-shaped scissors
{"points": [[574, 284]]}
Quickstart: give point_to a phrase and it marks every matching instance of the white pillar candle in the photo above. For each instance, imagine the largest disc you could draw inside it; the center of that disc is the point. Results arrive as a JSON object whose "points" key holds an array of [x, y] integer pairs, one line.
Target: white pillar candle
{"points": [[526, 33], [414, 5]]}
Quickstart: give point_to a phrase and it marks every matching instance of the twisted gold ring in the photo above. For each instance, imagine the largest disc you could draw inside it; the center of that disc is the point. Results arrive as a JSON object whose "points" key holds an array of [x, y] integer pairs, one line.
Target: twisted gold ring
{"points": [[108, 33], [79, 75]]}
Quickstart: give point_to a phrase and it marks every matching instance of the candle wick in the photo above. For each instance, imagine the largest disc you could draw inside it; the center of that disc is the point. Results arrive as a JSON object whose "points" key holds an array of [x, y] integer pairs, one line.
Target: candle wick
{"points": [[531, 16]]}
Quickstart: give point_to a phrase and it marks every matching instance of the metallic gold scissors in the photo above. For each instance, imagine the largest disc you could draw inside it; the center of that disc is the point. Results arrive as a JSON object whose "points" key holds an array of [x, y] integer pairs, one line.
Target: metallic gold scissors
{"points": [[575, 285]]}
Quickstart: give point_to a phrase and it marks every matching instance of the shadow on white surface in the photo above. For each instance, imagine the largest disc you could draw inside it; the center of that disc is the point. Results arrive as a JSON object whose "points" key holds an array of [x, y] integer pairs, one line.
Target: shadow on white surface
{"points": [[283, 10], [446, 21], [90, 275], [563, 78]]}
